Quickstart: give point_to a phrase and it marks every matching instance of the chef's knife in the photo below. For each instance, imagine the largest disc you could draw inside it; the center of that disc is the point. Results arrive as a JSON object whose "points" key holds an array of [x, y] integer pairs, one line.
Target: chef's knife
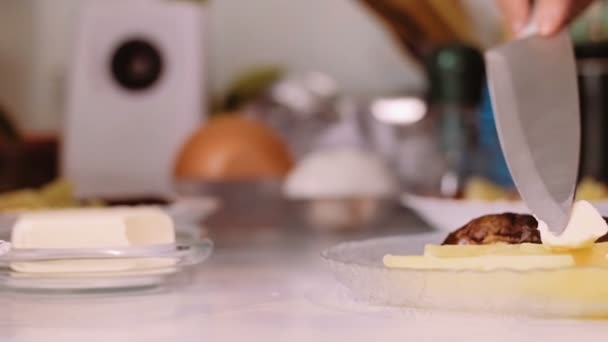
{"points": [[533, 85]]}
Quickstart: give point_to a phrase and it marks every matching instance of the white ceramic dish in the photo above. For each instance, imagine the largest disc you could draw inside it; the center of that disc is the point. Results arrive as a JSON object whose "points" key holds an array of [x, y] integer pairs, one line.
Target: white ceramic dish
{"points": [[450, 214], [572, 292], [182, 257]]}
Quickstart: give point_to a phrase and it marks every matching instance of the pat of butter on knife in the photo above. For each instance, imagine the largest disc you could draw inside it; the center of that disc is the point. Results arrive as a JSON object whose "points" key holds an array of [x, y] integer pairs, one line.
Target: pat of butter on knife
{"points": [[92, 228], [585, 226]]}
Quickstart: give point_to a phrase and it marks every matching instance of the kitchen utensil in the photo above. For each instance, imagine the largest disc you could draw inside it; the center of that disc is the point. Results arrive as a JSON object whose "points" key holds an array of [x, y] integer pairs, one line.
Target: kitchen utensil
{"points": [[533, 83]]}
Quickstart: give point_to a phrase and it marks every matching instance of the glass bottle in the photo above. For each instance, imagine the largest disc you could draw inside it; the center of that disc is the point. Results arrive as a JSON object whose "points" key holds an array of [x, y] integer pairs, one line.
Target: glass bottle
{"points": [[456, 74]]}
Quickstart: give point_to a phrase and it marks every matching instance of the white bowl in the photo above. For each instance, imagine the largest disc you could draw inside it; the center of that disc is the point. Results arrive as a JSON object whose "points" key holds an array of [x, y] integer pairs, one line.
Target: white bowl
{"points": [[343, 214], [450, 214]]}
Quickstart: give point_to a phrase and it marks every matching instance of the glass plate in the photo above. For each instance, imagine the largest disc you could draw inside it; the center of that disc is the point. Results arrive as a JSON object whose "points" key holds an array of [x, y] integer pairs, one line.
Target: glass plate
{"points": [[176, 258], [574, 292]]}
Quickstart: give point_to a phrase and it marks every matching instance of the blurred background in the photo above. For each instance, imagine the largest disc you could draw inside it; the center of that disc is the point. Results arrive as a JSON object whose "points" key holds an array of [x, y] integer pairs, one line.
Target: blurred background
{"points": [[325, 110], [342, 38]]}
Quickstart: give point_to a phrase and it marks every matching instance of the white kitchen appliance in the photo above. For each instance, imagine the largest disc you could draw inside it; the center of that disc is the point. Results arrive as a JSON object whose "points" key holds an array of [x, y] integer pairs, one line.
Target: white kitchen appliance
{"points": [[135, 93]]}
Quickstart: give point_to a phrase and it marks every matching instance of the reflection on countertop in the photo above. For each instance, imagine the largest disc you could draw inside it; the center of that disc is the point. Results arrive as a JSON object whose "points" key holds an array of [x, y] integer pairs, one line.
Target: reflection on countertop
{"points": [[270, 287]]}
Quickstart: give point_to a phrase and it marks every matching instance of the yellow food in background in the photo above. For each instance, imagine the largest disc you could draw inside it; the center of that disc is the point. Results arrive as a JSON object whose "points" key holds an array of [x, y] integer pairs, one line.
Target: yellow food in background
{"points": [[55, 195], [483, 190], [591, 190], [22, 199], [59, 193]]}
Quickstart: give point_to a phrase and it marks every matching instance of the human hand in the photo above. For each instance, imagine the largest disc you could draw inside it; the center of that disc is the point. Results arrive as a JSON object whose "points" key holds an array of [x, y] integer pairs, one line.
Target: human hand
{"points": [[550, 15]]}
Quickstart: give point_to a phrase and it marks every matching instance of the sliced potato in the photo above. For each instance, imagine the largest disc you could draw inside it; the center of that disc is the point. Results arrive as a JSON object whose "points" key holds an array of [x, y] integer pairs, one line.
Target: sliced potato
{"points": [[582, 257], [481, 263], [459, 251]]}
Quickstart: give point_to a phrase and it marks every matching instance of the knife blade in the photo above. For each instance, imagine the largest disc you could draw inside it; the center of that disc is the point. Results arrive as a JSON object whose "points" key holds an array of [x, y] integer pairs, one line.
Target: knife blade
{"points": [[533, 86]]}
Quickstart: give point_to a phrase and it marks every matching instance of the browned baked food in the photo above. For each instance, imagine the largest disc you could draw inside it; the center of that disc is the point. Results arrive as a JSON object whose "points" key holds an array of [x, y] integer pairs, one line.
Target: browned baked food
{"points": [[499, 228]]}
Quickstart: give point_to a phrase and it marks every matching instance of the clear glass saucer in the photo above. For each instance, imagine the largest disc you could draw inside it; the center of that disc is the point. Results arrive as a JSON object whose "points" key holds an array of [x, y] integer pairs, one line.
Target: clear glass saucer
{"points": [[571, 292], [176, 259]]}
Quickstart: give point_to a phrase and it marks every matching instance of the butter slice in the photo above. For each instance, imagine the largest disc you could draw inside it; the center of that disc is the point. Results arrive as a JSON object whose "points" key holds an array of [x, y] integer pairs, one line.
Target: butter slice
{"points": [[586, 225], [92, 228]]}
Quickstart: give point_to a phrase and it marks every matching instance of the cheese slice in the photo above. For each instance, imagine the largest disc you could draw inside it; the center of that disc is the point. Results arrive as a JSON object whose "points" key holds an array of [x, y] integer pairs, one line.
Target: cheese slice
{"points": [[92, 228], [585, 226]]}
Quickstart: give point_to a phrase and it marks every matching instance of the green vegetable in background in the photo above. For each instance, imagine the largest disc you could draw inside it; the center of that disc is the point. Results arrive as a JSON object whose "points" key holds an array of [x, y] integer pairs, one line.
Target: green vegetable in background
{"points": [[248, 86]]}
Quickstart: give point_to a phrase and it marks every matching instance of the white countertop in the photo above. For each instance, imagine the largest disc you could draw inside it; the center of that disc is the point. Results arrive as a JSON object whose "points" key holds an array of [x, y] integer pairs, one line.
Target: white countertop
{"points": [[273, 292]]}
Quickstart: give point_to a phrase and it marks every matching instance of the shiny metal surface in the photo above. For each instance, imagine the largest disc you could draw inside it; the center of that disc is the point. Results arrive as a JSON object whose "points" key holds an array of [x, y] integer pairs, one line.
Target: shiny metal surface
{"points": [[533, 83]]}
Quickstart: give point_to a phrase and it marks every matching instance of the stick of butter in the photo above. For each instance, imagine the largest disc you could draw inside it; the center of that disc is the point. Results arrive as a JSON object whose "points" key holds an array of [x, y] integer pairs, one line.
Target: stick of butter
{"points": [[92, 228]]}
